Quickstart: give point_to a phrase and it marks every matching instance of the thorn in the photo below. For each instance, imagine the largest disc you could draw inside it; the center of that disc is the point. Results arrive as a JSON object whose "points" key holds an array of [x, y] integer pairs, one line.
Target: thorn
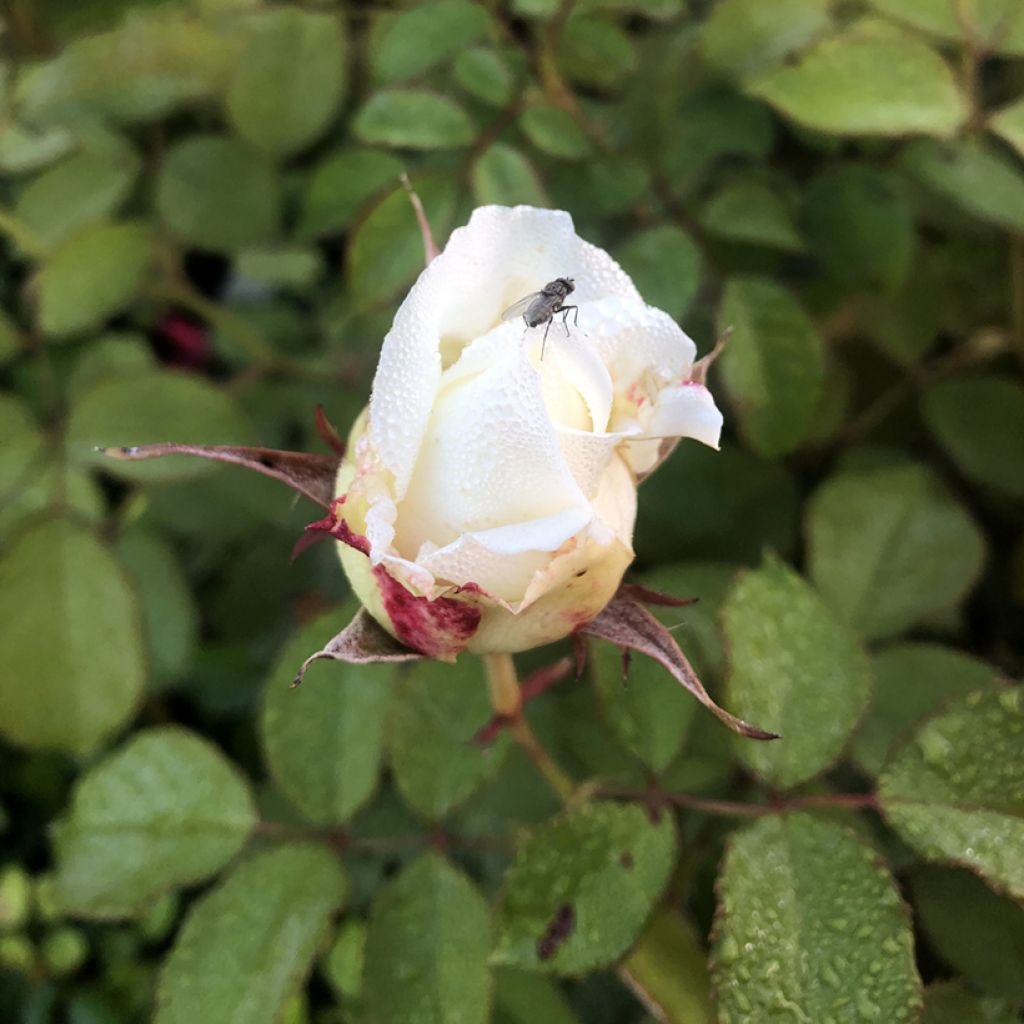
{"points": [[326, 429]]}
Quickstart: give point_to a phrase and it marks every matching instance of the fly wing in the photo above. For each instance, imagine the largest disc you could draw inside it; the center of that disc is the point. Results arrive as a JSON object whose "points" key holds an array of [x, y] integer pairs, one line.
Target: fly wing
{"points": [[518, 309]]}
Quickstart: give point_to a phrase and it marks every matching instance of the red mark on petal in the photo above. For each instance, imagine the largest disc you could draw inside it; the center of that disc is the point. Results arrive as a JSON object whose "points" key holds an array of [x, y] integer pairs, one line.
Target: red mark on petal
{"points": [[332, 525], [438, 629]]}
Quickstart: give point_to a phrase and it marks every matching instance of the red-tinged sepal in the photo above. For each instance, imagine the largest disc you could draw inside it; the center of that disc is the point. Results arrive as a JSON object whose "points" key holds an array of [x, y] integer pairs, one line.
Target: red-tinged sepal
{"points": [[626, 623], [645, 595], [362, 642], [312, 476], [332, 525]]}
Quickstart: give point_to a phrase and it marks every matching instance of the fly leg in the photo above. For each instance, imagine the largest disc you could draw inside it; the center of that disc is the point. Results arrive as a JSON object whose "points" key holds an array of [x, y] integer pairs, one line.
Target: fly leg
{"points": [[545, 339], [565, 311]]}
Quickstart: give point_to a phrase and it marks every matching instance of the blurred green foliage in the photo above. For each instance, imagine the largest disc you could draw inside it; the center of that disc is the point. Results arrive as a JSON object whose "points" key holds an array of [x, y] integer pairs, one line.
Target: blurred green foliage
{"points": [[204, 235]]}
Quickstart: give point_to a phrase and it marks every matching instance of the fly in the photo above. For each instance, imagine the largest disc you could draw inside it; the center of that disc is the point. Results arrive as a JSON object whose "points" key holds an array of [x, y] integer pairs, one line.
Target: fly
{"points": [[541, 307]]}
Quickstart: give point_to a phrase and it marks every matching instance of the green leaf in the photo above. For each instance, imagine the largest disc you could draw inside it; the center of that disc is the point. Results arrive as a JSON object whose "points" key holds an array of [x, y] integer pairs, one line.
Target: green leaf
{"points": [[213, 192], [115, 354], [437, 711], [413, 120], [10, 339], [773, 364], [794, 669], [284, 267], [665, 264], [386, 250], [246, 945], [972, 175], [343, 964], [522, 997], [979, 421], [949, 1002], [170, 621], [596, 52], [998, 24], [751, 212], [142, 70], [323, 740], [553, 131], [288, 83], [742, 37], [503, 175], [649, 713], [485, 75], [582, 888], [92, 275], [860, 225], [69, 641], [869, 79], [22, 446], [424, 37], [51, 486], [1009, 123], [889, 546], [80, 189], [978, 933], [27, 148], [669, 965], [166, 810], [341, 185], [427, 948], [150, 408], [810, 927], [954, 791], [912, 681]]}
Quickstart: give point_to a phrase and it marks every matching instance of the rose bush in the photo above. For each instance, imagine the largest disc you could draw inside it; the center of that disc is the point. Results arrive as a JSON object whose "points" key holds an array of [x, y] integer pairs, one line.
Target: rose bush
{"points": [[489, 495]]}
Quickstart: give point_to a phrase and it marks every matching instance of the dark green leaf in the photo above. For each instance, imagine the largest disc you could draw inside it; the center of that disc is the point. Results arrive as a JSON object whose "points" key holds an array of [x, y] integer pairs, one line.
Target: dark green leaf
{"points": [[742, 37], [665, 264], [912, 681], [115, 354], [972, 175], [69, 641], [246, 945], [323, 740], [522, 997], [979, 934], [869, 79], [288, 83], [92, 275], [413, 120], [22, 445], [553, 131], [503, 175], [424, 36], [386, 250], [582, 887], [484, 74], [82, 188], [341, 185], [343, 964], [165, 810], [1009, 123], [996, 24], [773, 364], [751, 212], [949, 1002], [437, 711], [860, 225], [596, 52], [979, 420], [955, 791], [889, 546], [793, 668], [427, 948], [284, 267], [150, 408], [215, 193], [810, 927]]}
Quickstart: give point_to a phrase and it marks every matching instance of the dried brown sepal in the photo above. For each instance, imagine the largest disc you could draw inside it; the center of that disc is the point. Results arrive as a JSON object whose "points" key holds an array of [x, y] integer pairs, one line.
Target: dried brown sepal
{"points": [[362, 642], [329, 433], [312, 476], [644, 595], [430, 249], [626, 623]]}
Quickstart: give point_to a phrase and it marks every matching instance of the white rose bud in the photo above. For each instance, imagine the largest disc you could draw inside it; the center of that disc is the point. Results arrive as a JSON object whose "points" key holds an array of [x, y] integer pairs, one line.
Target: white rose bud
{"points": [[489, 495]]}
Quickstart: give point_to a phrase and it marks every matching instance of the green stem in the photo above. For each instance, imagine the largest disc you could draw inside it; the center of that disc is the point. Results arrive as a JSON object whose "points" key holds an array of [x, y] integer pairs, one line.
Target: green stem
{"points": [[507, 702]]}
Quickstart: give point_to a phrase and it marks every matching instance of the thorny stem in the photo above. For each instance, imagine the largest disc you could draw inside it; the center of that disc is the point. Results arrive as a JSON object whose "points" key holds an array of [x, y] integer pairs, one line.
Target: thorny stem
{"points": [[507, 701], [735, 808]]}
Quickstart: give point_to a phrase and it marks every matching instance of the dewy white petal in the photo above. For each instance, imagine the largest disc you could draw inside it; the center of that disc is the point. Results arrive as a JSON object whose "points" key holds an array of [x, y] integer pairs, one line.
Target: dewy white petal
{"points": [[500, 256], [687, 411]]}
